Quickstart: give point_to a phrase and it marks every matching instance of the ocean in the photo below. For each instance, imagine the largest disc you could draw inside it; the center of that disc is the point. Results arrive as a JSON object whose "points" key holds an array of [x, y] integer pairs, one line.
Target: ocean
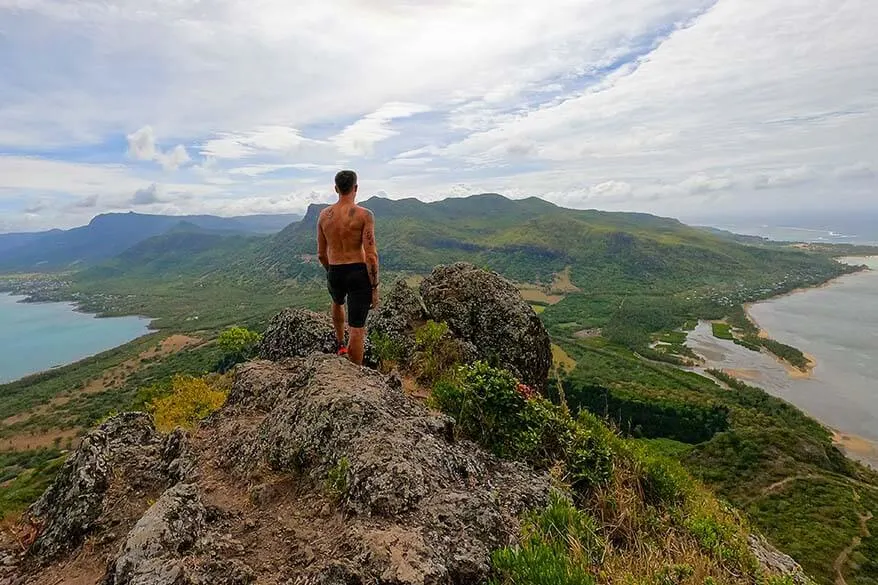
{"points": [[38, 336], [838, 326]]}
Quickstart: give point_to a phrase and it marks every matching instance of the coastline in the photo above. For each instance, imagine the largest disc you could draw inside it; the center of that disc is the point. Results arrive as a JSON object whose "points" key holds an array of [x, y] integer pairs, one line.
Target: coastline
{"points": [[862, 449], [794, 372], [17, 298]]}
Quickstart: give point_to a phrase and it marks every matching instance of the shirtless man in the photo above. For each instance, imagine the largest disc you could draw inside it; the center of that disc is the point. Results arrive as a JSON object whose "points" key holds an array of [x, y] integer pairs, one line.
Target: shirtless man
{"points": [[346, 248]]}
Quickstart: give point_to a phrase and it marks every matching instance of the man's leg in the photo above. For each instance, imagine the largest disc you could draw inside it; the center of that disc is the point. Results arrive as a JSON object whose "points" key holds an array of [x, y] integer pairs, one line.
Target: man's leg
{"points": [[338, 323], [356, 347]]}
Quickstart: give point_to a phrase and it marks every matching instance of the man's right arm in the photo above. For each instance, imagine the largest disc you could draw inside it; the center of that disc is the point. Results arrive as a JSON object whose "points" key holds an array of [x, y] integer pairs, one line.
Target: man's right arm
{"points": [[370, 247], [322, 246]]}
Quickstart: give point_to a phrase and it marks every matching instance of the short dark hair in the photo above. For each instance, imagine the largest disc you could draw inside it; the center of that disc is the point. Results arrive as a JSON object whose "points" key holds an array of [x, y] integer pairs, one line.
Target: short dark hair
{"points": [[345, 181]]}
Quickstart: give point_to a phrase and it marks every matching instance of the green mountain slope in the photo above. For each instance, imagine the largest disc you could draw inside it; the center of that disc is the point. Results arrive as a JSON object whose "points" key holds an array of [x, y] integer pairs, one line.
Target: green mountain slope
{"points": [[109, 234]]}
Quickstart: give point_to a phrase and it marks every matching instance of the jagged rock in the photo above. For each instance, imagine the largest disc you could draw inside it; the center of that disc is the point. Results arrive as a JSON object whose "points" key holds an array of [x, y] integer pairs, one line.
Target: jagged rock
{"points": [[153, 549], [487, 310], [775, 562], [300, 332], [448, 502], [70, 508], [399, 314], [297, 333], [315, 471]]}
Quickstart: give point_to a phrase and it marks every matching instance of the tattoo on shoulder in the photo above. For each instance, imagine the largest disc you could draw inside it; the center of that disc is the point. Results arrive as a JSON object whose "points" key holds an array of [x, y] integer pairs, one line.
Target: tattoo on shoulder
{"points": [[329, 213]]}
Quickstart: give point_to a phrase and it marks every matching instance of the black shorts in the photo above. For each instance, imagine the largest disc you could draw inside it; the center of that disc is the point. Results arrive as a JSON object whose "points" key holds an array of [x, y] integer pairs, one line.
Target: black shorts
{"points": [[351, 282]]}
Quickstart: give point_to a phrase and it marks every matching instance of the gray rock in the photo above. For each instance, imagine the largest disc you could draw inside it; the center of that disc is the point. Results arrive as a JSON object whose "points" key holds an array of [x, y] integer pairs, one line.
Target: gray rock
{"points": [[450, 500], [487, 310], [297, 333], [69, 509], [152, 553], [400, 313], [775, 562]]}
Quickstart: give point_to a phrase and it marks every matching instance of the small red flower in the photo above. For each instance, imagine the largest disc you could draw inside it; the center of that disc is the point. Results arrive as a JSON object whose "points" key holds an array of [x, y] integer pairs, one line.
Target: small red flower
{"points": [[526, 391]]}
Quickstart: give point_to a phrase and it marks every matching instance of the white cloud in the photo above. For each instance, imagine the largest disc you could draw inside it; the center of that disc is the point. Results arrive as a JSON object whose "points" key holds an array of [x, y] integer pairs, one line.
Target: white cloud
{"points": [[611, 190], [360, 137], [267, 139], [856, 171], [174, 158], [142, 146], [785, 178]]}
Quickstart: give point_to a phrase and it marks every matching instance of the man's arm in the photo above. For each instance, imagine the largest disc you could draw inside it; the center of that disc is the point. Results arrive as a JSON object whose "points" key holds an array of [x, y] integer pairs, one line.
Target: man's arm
{"points": [[370, 247], [322, 254]]}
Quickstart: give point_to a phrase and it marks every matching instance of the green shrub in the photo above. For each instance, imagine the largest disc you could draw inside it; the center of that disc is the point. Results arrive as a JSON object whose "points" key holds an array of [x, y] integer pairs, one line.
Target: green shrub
{"points": [[719, 539], [722, 331], [238, 344], [337, 479], [510, 420], [559, 545], [436, 352], [388, 352]]}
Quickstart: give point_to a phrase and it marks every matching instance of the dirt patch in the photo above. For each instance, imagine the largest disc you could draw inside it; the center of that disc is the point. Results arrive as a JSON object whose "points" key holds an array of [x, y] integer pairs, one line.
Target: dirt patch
{"points": [[112, 378], [562, 284], [537, 295], [857, 447], [116, 377], [39, 440], [744, 374], [587, 333]]}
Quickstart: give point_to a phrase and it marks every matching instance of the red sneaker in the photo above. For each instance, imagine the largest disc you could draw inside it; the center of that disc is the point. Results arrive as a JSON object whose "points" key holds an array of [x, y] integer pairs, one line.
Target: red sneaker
{"points": [[342, 351]]}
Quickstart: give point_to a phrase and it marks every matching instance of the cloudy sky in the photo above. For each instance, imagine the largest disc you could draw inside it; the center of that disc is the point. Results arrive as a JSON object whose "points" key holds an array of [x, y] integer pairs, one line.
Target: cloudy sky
{"points": [[677, 107]]}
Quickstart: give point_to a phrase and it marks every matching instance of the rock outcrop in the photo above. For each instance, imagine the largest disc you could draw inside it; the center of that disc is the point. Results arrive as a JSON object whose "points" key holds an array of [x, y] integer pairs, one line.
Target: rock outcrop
{"points": [[487, 310], [400, 313], [297, 333], [85, 495], [315, 471]]}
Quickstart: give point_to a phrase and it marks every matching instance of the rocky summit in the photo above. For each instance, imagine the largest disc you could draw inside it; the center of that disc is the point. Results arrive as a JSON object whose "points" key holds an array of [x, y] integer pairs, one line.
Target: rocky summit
{"points": [[485, 313], [315, 471]]}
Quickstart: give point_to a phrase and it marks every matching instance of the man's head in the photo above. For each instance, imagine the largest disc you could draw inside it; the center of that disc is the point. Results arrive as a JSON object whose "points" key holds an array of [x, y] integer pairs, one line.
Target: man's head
{"points": [[346, 183]]}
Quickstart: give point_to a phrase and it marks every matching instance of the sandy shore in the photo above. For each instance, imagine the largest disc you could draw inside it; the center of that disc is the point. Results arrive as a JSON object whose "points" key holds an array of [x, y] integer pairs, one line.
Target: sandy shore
{"points": [[857, 447], [792, 371]]}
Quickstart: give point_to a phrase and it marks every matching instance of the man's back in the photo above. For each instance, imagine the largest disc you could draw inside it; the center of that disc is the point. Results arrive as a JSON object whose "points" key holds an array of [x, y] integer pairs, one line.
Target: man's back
{"points": [[342, 224]]}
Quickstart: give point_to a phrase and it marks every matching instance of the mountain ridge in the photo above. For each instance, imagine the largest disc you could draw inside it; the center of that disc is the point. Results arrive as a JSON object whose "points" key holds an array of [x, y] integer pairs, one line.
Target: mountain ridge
{"points": [[107, 235]]}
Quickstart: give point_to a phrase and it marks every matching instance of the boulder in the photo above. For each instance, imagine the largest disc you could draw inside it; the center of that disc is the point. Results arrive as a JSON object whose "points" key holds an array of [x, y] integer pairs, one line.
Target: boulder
{"points": [[297, 333], [400, 313], [774, 562], [487, 310], [71, 508], [152, 551], [406, 483]]}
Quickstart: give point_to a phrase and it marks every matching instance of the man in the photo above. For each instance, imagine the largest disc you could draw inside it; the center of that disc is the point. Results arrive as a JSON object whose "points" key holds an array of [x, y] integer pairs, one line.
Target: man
{"points": [[347, 249]]}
